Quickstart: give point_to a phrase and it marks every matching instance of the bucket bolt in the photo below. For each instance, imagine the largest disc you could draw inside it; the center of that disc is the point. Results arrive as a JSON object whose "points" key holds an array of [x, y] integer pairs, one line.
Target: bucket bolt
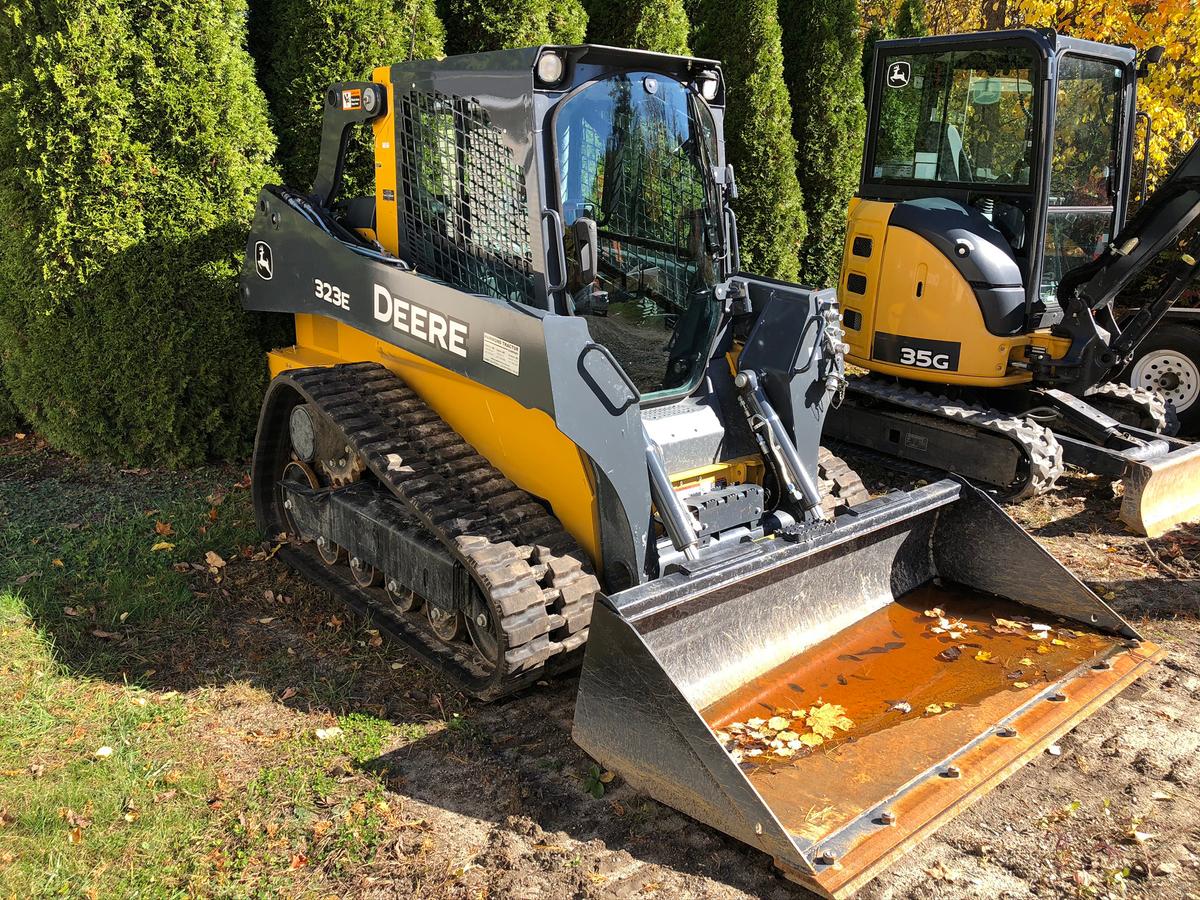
{"points": [[1057, 697], [1103, 666], [951, 772], [887, 817], [826, 857], [1006, 731]]}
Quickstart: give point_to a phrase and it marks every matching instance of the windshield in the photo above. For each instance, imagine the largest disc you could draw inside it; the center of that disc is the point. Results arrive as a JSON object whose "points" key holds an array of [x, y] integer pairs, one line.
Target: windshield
{"points": [[634, 155], [963, 116]]}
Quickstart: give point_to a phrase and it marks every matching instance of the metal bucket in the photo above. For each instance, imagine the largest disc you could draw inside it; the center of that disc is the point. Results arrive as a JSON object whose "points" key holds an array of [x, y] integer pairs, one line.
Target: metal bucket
{"points": [[672, 664]]}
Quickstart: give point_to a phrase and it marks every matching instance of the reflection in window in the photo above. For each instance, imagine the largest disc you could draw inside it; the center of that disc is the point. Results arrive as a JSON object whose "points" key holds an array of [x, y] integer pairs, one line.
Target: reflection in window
{"points": [[634, 152], [1079, 221], [958, 117]]}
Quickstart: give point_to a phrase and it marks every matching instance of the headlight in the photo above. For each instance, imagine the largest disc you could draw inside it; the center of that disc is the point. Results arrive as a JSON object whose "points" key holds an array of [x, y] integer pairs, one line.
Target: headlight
{"points": [[549, 68], [707, 84]]}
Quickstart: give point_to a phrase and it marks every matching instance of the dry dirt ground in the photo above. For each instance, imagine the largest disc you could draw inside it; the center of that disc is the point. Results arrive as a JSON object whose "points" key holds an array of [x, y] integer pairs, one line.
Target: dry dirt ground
{"points": [[491, 801]]}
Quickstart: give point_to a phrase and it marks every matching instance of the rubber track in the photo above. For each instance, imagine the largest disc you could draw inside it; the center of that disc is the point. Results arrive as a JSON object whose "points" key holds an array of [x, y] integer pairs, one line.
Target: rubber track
{"points": [[841, 487], [532, 572], [1038, 447], [1151, 407]]}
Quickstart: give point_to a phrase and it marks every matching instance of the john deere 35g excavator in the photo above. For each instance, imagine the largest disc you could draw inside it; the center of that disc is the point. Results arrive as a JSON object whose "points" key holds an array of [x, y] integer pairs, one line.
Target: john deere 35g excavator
{"points": [[986, 251], [536, 416]]}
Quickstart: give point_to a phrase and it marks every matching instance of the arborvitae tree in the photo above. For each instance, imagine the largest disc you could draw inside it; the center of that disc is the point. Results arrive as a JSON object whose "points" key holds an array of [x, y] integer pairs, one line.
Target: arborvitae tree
{"points": [[822, 64], [136, 142], [910, 19], [303, 46], [659, 26], [745, 35], [874, 34], [476, 25]]}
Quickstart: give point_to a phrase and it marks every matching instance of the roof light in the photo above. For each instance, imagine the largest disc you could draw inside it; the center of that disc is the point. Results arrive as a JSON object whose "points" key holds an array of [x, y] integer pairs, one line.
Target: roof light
{"points": [[707, 83], [550, 68]]}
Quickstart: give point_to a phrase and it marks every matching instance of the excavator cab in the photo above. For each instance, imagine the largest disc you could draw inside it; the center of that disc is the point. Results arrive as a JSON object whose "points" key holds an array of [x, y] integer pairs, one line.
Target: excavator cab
{"points": [[995, 163], [993, 279], [536, 417]]}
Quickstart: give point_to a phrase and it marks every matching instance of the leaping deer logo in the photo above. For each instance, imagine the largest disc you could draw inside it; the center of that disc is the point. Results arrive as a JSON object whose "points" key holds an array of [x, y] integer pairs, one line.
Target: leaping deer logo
{"points": [[899, 73], [262, 261]]}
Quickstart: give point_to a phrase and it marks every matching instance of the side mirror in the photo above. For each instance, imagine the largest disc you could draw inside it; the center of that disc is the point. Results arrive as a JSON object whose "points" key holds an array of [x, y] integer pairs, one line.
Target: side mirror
{"points": [[587, 248]]}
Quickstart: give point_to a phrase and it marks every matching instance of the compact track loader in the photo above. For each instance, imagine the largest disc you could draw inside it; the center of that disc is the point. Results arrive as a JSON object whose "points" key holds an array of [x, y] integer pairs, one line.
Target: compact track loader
{"points": [[537, 416], [981, 275]]}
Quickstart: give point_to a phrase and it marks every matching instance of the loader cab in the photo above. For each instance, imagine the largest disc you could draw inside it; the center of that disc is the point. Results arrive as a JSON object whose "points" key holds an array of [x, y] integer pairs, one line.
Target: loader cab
{"points": [[633, 149], [1009, 152]]}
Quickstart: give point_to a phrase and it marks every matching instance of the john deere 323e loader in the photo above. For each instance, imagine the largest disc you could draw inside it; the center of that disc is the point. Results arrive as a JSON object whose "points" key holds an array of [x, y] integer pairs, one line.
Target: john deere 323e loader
{"points": [[537, 416]]}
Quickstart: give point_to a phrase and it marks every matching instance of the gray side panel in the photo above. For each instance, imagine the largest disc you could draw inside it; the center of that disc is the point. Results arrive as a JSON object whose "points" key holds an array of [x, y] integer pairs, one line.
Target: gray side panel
{"points": [[556, 367]]}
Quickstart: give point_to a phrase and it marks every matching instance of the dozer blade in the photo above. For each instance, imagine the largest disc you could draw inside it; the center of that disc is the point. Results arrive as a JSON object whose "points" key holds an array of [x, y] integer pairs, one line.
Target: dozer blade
{"points": [[915, 653], [1162, 492]]}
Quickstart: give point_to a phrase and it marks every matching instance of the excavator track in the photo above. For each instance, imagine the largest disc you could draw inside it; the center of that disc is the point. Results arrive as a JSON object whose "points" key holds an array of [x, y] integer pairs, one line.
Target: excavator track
{"points": [[841, 487], [1041, 456], [1140, 407], [537, 582]]}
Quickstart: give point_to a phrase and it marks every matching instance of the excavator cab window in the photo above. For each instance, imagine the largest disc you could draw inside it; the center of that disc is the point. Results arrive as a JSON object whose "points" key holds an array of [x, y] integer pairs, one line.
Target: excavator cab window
{"points": [[1084, 166], [634, 154], [960, 117]]}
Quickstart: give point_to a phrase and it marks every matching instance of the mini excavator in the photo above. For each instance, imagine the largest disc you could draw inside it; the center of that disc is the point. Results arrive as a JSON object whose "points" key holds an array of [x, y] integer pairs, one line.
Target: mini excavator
{"points": [[991, 284], [537, 417]]}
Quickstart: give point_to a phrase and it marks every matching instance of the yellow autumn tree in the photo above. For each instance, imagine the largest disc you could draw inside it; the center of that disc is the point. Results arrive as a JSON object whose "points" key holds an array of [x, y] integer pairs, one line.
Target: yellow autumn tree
{"points": [[1171, 93]]}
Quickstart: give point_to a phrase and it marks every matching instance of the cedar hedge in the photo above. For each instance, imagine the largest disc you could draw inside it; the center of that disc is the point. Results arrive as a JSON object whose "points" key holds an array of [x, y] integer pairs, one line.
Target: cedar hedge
{"points": [[135, 143], [302, 46], [745, 34], [642, 24], [473, 26], [822, 49]]}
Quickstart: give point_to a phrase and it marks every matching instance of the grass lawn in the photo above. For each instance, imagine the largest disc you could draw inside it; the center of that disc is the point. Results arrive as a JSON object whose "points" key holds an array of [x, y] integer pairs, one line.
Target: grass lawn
{"points": [[114, 782]]}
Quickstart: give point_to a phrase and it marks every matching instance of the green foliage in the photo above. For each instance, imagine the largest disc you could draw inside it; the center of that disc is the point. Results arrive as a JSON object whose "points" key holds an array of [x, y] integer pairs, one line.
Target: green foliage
{"points": [[658, 26], [135, 142], [478, 25], [745, 34], [822, 57], [874, 34], [303, 46], [910, 19], [10, 418]]}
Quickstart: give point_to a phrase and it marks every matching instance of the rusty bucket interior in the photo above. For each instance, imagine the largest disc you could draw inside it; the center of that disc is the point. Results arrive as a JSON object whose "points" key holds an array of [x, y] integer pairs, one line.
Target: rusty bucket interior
{"points": [[832, 701]]}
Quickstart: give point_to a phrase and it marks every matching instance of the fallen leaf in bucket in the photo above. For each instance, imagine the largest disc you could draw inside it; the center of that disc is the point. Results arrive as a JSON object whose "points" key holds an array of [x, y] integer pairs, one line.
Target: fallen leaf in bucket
{"points": [[1020, 685], [778, 723], [983, 656], [825, 717], [811, 740], [935, 613], [1025, 662], [1043, 649], [900, 706], [932, 709], [950, 654], [1059, 643]]}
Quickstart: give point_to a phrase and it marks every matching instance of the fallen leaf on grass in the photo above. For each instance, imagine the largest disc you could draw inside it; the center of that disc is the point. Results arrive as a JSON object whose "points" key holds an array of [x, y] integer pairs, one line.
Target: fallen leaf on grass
{"points": [[103, 752], [75, 836], [71, 611], [327, 734], [22, 579], [57, 563], [163, 528], [266, 620], [214, 559], [162, 545], [299, 861], [106, 635], [288, 693], [321, 827]]}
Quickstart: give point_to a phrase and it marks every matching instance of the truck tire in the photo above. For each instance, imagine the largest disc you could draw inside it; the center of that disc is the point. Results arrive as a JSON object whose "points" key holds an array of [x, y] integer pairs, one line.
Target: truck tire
{"points": [[1169, 359]]}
